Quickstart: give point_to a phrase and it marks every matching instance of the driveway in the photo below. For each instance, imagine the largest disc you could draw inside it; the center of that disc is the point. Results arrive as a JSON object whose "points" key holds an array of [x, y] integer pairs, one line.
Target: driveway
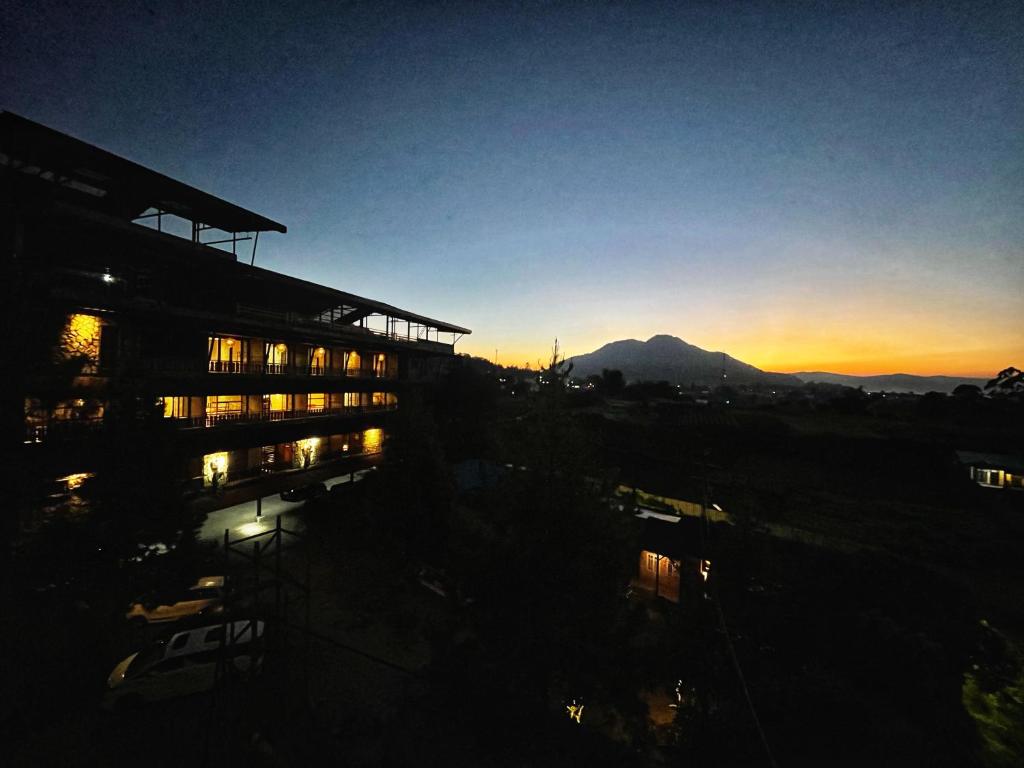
{"points": [[240, 519]]}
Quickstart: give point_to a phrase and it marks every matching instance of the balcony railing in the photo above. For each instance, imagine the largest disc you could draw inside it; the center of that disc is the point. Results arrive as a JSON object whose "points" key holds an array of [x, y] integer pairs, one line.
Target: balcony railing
{"points": [[40, 431], [216, 419], [43, 431], [276, 369]]}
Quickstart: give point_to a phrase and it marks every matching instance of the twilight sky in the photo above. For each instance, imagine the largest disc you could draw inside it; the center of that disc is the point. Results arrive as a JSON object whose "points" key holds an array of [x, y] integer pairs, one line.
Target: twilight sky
{"points": [[804, 188]]}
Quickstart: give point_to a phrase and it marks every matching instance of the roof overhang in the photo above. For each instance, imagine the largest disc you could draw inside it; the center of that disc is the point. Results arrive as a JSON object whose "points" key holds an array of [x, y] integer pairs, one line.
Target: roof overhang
{"points": [[118, 185]]}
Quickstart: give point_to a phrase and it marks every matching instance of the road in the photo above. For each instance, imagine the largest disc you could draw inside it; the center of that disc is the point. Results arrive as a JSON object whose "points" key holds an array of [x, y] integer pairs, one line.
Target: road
{"points": [[240, 519]]}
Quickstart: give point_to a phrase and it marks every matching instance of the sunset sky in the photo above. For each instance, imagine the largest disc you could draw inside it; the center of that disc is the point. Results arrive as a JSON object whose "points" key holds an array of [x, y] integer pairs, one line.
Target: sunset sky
{"points": [[803, 188]]}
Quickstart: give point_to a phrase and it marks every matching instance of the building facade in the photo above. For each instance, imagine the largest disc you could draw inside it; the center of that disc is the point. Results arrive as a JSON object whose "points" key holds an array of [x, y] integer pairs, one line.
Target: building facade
{"points": [[133, 301]]}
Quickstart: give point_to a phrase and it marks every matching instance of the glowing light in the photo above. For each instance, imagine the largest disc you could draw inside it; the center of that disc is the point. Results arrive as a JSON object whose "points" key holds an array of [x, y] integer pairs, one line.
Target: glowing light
{"points": [[306, 452], [215, 469], [251, 529], [75, 480], [372, 440], [107, 277], [575, 711], [705, 569], [81, 337]]}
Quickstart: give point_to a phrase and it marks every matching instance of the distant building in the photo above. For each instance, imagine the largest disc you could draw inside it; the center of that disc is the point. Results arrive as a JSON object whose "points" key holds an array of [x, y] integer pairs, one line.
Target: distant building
{"points": [[993, 470], [672, 563], [143, 281]]}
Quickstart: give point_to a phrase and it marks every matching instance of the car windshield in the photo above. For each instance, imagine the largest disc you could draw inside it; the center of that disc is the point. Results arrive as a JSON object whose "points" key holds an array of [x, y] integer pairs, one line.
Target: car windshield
{"points": [[145, 658]]}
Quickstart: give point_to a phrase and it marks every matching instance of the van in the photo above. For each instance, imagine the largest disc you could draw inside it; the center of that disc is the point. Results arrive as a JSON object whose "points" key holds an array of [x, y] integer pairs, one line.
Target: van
{"points": [[185, 663]]}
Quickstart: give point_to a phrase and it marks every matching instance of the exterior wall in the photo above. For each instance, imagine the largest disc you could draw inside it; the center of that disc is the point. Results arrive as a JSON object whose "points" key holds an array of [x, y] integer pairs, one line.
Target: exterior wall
{"points": [[668, 578]]}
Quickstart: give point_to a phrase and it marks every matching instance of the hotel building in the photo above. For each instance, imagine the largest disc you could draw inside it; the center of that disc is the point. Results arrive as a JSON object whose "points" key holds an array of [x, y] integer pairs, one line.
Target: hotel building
{"points": [[126, 286]]}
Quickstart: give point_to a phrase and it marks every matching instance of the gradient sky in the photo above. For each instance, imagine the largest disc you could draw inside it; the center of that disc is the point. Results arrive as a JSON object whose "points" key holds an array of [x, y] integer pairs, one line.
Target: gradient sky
{"points": [[803, 187]]}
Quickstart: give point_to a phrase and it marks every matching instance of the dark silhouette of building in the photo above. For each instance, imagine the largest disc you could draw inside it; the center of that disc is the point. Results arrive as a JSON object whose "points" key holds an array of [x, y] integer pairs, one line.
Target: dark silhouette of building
{"points": [[135, 297]]}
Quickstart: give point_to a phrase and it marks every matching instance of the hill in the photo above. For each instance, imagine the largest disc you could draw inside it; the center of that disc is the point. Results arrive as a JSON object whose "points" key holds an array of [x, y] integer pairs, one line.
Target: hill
{"points": [[893, 382]]}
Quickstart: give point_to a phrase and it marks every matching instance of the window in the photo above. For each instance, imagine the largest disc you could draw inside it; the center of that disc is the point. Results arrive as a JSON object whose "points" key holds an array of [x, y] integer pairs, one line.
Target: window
{"points": [[227, 354], [276, 356], [316, 401], [175, 407], [652, 561], [278, 403], [317, 361], [179, 641], [223, 404], [353, 362]]}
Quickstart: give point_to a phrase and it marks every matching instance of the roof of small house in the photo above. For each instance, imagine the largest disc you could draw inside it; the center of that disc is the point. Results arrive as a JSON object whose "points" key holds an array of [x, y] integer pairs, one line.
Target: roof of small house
{"points": [[1003, 461], [679, 539]]}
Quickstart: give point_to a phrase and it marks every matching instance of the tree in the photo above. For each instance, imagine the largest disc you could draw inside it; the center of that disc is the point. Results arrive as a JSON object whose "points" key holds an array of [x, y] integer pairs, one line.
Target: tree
{"points": [[967, 391], [613, 382], [547, 560], [1008, 381]]}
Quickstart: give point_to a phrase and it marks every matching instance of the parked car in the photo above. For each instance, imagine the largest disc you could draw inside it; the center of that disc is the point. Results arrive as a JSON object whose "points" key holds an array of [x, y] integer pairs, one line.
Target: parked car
{"points": [[304, 492], [184, 663], [204, 597]]}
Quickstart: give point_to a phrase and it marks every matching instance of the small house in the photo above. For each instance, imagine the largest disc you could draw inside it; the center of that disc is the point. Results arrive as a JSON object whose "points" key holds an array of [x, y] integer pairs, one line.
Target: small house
{"points": [[993, 470]]}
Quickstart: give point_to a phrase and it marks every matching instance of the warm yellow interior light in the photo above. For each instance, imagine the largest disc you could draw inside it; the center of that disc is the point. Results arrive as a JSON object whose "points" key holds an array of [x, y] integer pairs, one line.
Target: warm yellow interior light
{"points": [[215, 463], [75, 480], [372, 440]]}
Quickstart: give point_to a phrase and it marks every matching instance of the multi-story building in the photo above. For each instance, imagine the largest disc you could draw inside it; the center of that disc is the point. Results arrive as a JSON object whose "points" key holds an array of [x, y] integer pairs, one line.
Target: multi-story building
{"points": [[128, 286]]}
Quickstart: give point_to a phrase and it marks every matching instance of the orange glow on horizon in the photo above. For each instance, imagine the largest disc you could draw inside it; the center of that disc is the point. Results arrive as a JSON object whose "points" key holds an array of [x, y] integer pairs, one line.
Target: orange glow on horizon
{"points": [[853, 356]]}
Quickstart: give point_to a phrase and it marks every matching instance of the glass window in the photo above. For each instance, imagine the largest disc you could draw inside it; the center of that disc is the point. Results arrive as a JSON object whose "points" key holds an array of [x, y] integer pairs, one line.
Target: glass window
{"points": [[223, 404]]}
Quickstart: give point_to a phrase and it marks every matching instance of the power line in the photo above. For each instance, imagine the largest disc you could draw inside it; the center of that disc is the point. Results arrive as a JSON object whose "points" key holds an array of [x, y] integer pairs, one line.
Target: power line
{"points": [[740, 675]]}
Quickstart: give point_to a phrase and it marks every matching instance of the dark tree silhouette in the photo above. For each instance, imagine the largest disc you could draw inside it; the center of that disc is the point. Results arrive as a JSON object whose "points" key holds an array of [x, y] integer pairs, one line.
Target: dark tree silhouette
{"points": [[1007, 381]]}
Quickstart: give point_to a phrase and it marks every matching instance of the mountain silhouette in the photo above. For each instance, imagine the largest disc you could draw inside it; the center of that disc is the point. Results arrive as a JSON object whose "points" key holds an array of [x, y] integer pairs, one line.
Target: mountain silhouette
{"points": [[668, 358]]}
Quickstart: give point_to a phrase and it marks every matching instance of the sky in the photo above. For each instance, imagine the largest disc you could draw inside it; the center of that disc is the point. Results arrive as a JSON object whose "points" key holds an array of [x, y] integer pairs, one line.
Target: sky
{"points": [[805, 186]]}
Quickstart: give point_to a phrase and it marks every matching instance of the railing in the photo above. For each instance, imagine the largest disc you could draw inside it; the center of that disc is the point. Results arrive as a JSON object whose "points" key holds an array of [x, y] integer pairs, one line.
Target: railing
{"points": [[234, 366], [40, 431], [216, 419], [329, 321]]}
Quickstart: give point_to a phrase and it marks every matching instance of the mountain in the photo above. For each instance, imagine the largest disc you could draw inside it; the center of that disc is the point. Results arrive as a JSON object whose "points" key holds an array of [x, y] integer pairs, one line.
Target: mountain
{"points": [[893, 382], [667, 358]]}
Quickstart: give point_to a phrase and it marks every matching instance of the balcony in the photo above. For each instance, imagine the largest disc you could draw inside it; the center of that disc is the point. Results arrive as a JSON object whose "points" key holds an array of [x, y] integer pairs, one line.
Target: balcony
{"points": [[234, 367], [39, 431], [218, 419]]}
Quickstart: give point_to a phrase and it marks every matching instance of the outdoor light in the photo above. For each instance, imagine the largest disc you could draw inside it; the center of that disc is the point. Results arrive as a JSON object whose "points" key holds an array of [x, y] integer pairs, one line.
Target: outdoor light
{"points": [[107, 277], [574, 710]]}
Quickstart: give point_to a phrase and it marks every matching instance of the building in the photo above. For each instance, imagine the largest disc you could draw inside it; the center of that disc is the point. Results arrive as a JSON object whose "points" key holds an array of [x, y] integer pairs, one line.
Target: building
{"points": [[133, 299], [672, 562], [993, 470]]}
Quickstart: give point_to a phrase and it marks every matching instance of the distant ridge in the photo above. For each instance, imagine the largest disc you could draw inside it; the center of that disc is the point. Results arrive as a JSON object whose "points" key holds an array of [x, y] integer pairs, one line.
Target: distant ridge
{"points": [[892, 382], [668, 358]]}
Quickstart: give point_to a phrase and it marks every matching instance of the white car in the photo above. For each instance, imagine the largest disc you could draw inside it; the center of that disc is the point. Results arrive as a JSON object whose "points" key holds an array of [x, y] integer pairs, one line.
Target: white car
{"points": [[184, 663], [204, 597]]}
